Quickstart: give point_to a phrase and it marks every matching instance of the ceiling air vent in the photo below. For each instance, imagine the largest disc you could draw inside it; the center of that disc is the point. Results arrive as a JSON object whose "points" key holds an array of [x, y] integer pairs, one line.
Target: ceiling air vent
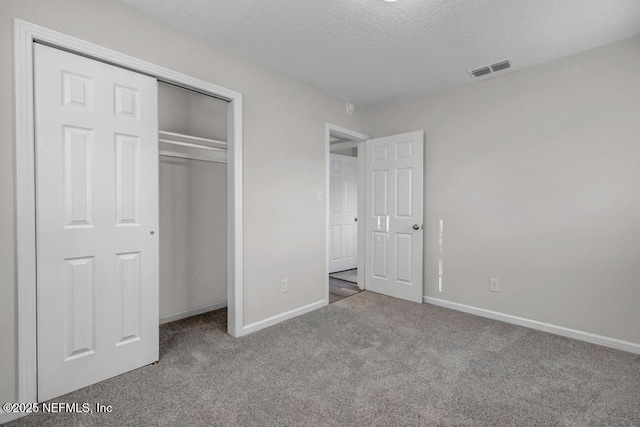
{"points": [[479, 72], [502, 65], [488, 69]]}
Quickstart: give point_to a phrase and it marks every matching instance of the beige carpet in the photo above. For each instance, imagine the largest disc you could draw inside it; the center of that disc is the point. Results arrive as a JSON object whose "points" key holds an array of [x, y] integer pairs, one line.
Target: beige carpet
{"points": [[368, 360]]}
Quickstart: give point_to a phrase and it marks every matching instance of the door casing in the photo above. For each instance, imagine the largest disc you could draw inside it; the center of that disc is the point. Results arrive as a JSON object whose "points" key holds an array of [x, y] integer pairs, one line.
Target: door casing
{"points": [[25, 35], [356, 141]]}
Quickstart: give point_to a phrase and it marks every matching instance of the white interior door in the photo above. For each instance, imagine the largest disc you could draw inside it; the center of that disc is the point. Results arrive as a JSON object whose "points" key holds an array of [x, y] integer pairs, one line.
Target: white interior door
{"points": [[343, 208], [394, 170], [97, 217]]}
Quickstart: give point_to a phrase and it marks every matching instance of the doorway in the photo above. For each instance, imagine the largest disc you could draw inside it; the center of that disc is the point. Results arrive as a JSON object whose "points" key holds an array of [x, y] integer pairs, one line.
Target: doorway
{"points": [[345, 200], [389, 223]]}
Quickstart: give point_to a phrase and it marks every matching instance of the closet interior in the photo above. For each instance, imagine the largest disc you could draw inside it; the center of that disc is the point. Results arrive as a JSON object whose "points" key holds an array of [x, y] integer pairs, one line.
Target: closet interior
{"points": [[193, 202]]}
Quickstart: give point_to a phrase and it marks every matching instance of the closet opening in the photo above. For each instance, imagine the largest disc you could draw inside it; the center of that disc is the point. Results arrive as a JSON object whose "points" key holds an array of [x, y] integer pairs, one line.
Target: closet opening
{"points": [[98, 177], [192, 205]]}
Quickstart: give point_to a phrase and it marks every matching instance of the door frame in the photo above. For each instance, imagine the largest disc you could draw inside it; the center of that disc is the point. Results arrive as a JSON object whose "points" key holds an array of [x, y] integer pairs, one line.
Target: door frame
{"points": [[356, 140], [25, 35]]}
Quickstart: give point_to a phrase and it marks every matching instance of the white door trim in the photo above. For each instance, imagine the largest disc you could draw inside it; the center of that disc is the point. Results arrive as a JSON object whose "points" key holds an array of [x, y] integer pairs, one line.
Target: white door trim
{"points": [[358, 138], [25, 34]]}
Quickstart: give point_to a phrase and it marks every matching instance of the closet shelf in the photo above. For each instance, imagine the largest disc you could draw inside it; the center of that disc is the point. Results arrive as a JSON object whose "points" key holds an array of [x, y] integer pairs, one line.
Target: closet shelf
{"points": [[172, 137], [191, 147]]}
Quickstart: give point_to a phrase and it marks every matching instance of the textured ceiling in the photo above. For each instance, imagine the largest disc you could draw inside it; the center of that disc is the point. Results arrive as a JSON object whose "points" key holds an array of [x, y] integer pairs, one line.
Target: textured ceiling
{"points": [[371, 51]]}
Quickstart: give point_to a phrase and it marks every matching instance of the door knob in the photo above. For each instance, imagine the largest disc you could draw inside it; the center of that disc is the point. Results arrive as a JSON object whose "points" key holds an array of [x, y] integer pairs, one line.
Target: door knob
{"points": [[416, 227]]}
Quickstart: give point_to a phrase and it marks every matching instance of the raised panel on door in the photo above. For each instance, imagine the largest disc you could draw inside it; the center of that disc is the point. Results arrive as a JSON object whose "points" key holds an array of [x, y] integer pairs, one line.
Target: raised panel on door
{"points": [[78, 172], [403, 260], [380, 190], [343, 208], [349, 241], [129, 286], [394, 215], [335, 242], [404, 200], [79, 310], [127, 179], [96, 209], [380, 255]]}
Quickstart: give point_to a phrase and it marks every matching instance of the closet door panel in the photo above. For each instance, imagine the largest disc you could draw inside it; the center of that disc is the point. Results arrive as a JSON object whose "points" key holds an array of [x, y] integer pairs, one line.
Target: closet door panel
{"points": [[97, 217]]}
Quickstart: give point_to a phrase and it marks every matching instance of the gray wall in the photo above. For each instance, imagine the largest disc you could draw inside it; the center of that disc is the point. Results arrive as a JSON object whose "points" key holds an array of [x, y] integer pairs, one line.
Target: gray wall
{"points": [[284, 225], [536, 176], [193, 234], [191, 113]]}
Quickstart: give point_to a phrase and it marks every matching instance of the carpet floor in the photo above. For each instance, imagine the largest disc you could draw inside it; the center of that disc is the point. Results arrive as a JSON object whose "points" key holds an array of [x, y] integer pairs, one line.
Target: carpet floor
{"points": [[367, 360]]}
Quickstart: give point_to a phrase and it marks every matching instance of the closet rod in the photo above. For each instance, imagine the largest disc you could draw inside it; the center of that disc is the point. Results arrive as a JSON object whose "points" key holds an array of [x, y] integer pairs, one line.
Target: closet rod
{"points": [[190, 157], [191, 151]]}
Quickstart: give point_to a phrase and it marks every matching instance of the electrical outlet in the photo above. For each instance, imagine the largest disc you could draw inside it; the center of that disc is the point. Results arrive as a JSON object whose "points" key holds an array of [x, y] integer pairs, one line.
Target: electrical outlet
{"points": [[494, 285], [284, 285]]}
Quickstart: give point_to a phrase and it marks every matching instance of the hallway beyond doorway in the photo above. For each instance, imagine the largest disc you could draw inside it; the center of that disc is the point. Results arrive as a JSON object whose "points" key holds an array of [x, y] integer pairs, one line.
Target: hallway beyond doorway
{"points": [[343, 284]]}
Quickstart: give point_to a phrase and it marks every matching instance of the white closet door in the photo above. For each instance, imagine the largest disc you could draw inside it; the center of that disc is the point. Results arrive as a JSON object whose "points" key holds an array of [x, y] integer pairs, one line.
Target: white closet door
{"points": [[394, 215], [97, 221], [343, 206]]}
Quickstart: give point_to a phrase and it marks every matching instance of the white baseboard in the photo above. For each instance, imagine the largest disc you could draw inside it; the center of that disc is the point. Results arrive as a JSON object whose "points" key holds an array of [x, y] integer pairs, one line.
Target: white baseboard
{"points": [[270, 321], [540, 326], [5, 417], [193, 312]]}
